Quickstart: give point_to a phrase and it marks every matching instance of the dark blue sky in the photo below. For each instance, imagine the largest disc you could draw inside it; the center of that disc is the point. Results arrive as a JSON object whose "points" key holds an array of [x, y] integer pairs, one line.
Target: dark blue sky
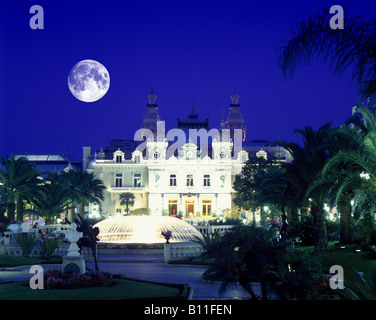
{"points": [[188, 50]]}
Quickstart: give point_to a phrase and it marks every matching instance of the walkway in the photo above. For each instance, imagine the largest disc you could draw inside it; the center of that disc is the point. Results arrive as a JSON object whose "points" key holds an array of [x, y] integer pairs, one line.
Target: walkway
{"points": [[147, 267]]}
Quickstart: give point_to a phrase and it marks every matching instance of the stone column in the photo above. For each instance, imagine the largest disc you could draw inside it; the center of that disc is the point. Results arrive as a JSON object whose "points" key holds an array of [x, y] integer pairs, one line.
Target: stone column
{"points": [[181, 205], [198, 207]]}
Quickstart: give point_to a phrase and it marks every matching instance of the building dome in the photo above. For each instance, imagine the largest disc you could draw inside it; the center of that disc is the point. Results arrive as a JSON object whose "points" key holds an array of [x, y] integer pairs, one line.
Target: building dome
{"points": [[145, 229]]}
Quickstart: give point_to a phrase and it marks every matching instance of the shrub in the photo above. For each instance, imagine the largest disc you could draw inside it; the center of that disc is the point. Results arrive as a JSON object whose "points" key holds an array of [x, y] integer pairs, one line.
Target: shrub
{"points": [[232, 214], [248, 254], [211, 243], [26, 242], [140, 212], [332, 229], [48, 246], [304, 230], [362, 232]]}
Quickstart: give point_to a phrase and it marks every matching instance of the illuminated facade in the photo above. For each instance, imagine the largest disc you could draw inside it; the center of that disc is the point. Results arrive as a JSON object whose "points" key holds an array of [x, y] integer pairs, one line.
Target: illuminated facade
{"points": [[195, 180]]}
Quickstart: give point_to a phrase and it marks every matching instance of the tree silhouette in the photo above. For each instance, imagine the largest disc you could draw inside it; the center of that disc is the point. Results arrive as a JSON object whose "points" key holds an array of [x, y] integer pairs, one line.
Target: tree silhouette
{"points": [[127, 199], [89, 239]]}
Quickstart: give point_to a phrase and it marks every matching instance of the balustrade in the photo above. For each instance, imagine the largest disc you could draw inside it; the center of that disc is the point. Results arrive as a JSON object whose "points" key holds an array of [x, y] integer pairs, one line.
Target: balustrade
{"points": [[178, 251]]}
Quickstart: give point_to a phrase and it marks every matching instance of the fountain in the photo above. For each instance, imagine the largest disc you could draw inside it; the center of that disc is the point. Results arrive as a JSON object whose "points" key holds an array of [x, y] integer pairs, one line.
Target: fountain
{"points": [[145, 229], [143, 234]]}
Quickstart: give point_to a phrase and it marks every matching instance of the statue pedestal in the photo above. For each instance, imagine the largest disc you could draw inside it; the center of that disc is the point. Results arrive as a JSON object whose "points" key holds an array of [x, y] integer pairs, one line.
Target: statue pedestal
{"points": [[74, 264]]}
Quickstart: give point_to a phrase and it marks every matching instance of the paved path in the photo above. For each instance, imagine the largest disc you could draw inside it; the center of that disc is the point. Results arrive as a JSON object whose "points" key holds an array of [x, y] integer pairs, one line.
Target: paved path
{"points": [[147, 268]]}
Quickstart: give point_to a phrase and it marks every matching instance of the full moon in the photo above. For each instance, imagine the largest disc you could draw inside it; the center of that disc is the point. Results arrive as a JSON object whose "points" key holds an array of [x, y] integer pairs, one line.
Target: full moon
{"points": [[88, 80]]}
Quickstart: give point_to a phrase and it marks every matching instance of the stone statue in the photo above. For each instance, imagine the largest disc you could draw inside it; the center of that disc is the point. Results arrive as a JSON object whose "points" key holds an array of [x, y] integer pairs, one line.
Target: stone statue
{"points": [[73, 236]]}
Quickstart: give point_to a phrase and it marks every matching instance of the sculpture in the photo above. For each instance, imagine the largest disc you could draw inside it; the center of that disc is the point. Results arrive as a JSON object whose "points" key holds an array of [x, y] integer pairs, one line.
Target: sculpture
{"points": [[73, 236]]}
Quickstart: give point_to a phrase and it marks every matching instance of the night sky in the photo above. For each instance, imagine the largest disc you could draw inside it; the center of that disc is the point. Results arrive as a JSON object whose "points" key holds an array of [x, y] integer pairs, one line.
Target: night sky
{"points": [[191, 52]]}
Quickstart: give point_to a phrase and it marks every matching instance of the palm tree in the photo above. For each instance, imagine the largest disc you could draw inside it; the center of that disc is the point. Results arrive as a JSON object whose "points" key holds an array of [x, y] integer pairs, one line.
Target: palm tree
{"points": [[353, 167], [284, 184], [307, 163], [82, 187], [92, 189], [17, 181], [50, 200], [352, 47], [127, 199]]}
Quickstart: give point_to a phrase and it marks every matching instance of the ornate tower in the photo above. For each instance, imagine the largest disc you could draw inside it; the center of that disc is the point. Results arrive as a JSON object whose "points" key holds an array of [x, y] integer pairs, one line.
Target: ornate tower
{"points": [[151, 118], [235, 118]]}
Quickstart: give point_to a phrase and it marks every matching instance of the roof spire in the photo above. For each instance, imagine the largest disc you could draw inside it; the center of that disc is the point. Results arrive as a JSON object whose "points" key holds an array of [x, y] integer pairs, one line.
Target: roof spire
{"points": [[234, 97], [152, 97]]}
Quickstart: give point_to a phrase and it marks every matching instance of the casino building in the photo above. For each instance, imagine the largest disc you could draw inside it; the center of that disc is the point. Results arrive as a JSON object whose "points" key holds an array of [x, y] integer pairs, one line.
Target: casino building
{"points": [[192, 178]]}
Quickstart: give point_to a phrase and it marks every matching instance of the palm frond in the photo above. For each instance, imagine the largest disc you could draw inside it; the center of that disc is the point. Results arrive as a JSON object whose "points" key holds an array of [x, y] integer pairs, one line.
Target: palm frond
{"points": [[353, 47]]}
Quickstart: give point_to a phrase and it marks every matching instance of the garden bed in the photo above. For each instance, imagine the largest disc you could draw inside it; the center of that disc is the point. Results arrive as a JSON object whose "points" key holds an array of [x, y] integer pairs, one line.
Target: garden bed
{"points": [[55, 279]]}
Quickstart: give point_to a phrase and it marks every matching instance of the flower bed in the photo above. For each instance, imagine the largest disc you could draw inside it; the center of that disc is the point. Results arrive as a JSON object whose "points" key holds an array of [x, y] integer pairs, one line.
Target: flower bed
{"points": [[54, 279]]}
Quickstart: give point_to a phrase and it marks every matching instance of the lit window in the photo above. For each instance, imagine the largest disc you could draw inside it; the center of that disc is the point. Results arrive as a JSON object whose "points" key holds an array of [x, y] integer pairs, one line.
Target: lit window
{"points": [[173, 207], [206, 207]]}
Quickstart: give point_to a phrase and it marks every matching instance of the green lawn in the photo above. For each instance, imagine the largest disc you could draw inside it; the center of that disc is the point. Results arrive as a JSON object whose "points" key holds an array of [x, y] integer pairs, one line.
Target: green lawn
{"points": [[13, 261], [120, 290], [349, 258]]}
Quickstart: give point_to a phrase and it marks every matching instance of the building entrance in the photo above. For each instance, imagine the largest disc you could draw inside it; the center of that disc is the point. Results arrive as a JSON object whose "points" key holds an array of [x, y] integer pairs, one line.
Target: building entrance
{"points": [[189, 208]]}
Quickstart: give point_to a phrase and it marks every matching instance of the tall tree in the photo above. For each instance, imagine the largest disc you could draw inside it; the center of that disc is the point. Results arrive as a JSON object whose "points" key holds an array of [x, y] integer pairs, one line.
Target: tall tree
{"points": [[284, 184], [352, 47], [308, 162], [18, 179], [353, 167], [246, 184]]}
